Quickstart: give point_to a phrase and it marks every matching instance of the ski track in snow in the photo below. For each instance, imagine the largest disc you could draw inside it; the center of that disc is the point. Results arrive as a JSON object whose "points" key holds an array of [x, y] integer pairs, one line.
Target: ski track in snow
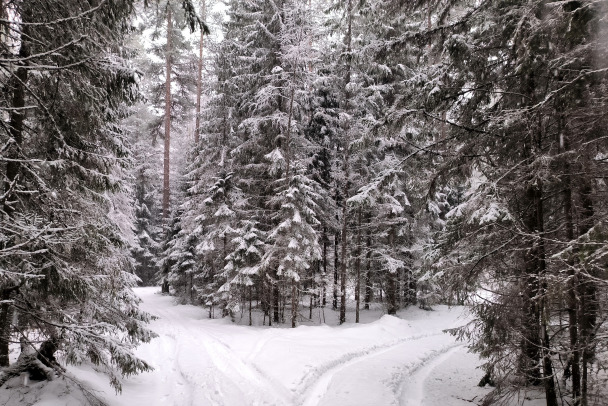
{"points": [[202, 362], [238, 369], [209, 368]]}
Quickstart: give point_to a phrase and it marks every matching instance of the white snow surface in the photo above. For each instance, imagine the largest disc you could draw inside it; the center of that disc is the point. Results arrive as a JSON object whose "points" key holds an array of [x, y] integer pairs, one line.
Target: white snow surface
{"points": [[405, 360]]}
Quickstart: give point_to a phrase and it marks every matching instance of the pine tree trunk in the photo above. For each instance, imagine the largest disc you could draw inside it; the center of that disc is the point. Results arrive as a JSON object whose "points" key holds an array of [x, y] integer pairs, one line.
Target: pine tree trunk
{"points": [[167, 115], [348, 40], [199, 81]]}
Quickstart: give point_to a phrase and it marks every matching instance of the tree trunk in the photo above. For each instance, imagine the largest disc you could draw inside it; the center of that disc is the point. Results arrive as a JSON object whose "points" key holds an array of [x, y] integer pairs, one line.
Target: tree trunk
{"points": [[348, 40], [343, 252], [410, 288], [199, 82], [324, 276], [548, 375], [336, 265], [391, 280], [1, 24], [16, 121], [588, 294], [530, 327], [6, 314], [13, 168], [311, 303], [250, 299], [572, 293], [358, 269], [276, 301], [536, 336], [167, 115], [294, 303], [368, 270], [391, 293]]}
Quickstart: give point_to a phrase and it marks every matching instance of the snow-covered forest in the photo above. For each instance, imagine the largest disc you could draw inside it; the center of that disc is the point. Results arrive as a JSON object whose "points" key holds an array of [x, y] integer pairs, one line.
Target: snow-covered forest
{"points": [[399, 181]]}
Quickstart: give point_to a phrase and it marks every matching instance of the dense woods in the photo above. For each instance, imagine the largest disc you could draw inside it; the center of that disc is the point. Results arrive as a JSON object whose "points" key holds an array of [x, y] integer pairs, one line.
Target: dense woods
{"points": [[319, 155]]}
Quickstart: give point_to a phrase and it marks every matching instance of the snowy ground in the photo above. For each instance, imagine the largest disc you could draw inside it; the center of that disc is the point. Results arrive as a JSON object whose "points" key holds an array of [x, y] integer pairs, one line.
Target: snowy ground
{"points": [[404, 360]]}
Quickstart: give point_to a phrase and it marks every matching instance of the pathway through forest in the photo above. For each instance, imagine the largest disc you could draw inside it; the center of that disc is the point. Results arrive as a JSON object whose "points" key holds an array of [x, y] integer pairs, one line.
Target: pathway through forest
{"points": [[405, 360]]}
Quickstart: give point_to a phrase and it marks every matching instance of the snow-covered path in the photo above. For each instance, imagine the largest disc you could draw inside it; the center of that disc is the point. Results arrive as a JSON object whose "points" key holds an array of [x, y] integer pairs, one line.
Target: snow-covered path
{"points": [[391, 361]]}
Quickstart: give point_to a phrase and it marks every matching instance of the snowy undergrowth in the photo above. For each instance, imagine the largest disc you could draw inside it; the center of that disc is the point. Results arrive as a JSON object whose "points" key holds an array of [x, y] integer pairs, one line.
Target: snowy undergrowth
{"points": [[404, 360]]}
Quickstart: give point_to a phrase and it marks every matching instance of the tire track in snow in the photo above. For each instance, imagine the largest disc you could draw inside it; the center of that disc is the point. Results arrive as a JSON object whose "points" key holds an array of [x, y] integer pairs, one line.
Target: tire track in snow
{"points": [[411, 391], [315, 383]]}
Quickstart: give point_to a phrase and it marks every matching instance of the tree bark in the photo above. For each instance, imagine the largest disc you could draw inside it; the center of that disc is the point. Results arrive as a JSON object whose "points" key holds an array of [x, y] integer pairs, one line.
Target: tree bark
{"points": [[572, 293], [391, 293], [6, 313], [530, 327], [548, 376], [391, 280], [346, 168], [368, 270], [13, 168], [323, 287], [2, 26], [336, 265], [343, 248], [166, 161], [294, 303], [588, 294], [199, 82], [358, 269], [343, 269], [276, 301], [16, 122], [250, 300]]}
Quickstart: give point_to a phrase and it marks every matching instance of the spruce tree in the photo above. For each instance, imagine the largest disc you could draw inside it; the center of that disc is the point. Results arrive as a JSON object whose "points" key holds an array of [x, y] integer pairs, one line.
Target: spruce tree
{"points": [[504, 97], [66, 269]]}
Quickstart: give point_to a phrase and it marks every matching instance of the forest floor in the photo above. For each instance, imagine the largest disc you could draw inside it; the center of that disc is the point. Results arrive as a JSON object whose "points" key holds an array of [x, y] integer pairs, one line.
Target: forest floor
{"points": [[406, 360]]}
